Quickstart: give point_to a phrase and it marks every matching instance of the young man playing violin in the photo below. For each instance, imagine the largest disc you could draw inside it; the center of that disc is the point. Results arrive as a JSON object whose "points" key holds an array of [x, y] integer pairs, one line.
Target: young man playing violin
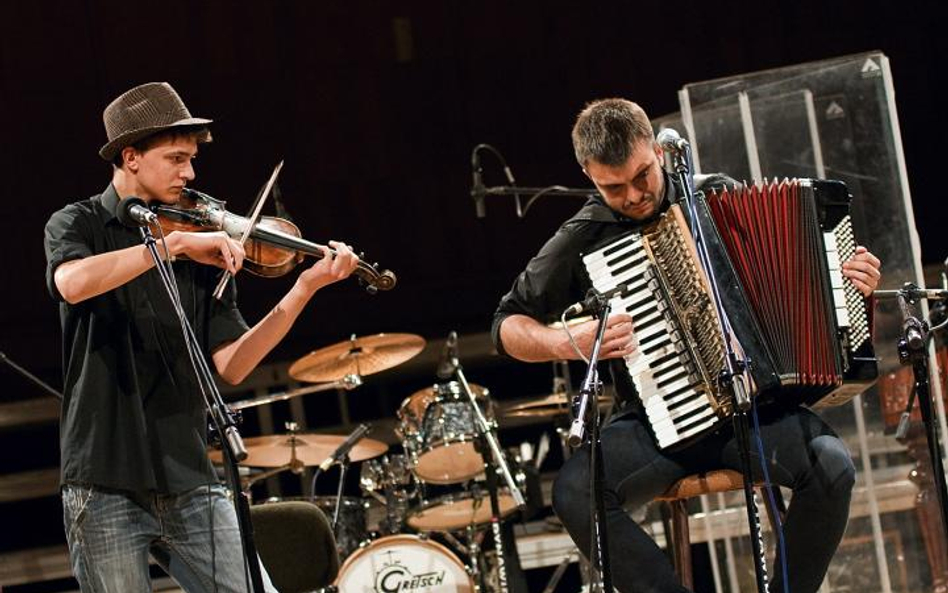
{"points": [[135, 474]]}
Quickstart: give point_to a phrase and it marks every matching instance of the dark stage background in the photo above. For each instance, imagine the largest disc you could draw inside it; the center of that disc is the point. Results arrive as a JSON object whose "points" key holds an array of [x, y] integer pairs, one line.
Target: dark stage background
{"points": [[375, 106]]}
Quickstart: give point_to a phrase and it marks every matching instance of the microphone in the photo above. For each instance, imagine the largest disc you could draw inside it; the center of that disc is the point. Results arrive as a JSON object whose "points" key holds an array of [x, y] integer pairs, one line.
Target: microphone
{"points": [[133, 212], [449, 357], [357, 435], [590, 304], [478, 189], [670, 141]]}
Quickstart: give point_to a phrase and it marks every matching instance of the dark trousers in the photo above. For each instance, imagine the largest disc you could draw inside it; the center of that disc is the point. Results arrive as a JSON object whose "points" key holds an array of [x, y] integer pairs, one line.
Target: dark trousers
{"points": [[802, 453]]}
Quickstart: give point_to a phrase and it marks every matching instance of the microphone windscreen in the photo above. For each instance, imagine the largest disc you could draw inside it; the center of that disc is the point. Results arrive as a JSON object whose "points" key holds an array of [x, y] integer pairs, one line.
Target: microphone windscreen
{"points": [[124, 212]]}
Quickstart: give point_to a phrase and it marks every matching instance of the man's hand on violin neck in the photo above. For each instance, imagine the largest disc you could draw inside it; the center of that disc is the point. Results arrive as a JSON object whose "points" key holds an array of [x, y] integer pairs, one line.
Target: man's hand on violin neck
{"points": [[332, 267], [213, 249]]}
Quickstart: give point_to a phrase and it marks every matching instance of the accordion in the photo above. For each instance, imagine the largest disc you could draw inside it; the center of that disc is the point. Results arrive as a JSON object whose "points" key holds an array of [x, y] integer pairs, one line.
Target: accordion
{"points": [[775, 251]]}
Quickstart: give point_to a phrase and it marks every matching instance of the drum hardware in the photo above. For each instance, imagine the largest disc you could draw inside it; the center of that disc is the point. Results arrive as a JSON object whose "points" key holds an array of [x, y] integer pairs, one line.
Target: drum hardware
{"points": [[356, 356], [348, 383], [389, 481]]}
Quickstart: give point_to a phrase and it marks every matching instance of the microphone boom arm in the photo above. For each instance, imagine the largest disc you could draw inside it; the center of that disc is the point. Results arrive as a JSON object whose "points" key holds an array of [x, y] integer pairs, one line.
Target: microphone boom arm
{"points": [[535, 193]]}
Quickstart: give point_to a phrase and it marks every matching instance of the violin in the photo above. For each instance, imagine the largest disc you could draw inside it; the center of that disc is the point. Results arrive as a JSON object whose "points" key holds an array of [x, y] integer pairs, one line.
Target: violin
{"points": [[275, 245]]}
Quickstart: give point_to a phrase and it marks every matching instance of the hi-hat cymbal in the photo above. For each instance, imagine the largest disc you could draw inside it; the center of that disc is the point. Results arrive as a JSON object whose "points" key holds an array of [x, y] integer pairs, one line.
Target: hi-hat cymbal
{"points": [[303, 448], [356, 356], [555, 404]]}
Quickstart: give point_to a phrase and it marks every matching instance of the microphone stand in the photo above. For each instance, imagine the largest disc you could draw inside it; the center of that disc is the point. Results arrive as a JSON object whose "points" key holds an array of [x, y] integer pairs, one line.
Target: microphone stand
{"points": [[586, 424], [495, 463], [343, 467], [732, 378], [913, 349], [221, 416]]}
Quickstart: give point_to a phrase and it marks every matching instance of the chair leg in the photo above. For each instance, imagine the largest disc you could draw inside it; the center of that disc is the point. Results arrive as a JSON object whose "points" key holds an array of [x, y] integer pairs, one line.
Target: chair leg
{"points": [[680, 540]]}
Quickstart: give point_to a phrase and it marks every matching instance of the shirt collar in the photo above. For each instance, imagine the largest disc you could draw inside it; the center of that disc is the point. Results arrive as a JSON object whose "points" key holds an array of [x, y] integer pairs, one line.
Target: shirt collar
{"points": [[110, 202]]}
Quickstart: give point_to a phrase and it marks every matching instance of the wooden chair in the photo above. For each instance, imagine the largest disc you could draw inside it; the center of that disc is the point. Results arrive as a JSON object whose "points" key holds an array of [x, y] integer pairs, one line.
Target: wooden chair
{"points": [[675, 502]]}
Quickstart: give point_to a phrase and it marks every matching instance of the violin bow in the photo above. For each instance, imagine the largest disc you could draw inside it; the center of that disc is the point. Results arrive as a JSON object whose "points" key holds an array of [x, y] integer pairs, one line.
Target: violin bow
{"points": [[254, 217]]}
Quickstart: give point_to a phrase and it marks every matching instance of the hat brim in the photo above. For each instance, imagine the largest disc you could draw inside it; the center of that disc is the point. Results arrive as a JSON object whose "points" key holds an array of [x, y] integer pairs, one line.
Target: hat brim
{"points": [[111, 149]]}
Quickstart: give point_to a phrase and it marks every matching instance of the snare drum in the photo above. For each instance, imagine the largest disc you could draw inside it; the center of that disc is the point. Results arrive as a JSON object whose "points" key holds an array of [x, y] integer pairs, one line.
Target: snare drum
{"points": [[402, 563], [438, 429]]}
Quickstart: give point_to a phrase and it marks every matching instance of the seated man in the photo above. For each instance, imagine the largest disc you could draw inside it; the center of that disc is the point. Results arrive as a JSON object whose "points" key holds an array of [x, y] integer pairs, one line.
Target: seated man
{"points": [[615, 146]]}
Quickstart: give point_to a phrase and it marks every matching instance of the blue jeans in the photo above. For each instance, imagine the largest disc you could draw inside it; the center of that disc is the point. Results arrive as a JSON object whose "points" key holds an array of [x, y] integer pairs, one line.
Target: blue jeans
{"points": [[802, 453], [192, 535]]}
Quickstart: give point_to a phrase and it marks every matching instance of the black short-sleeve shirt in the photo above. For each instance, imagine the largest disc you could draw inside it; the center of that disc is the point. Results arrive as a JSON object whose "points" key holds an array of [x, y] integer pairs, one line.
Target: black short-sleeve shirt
{"points": [[132, 416]]}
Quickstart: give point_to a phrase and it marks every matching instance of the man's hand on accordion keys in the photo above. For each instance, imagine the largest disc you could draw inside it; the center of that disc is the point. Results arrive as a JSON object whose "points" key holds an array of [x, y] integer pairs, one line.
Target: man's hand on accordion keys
{"points": [[618, 341], [862, 269]]}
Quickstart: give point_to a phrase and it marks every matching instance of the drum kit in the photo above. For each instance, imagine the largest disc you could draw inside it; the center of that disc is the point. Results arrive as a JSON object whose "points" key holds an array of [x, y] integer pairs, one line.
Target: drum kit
{"points": [[434, 499]]}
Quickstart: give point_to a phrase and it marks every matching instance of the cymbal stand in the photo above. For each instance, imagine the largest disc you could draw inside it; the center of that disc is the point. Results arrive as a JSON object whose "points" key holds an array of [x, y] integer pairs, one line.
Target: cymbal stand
{"points": [[495, 464], [348, 382], [733, 377], [223, 418], [585, 428]]}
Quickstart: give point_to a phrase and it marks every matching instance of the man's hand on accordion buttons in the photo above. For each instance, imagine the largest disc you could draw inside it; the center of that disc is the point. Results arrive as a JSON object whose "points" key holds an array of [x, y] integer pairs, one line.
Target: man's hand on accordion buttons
{"points": [[618, 341], [862, 269]]}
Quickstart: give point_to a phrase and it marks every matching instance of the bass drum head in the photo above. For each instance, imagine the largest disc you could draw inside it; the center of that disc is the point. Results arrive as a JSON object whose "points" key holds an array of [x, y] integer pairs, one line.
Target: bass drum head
{"points": [[402, 564]]}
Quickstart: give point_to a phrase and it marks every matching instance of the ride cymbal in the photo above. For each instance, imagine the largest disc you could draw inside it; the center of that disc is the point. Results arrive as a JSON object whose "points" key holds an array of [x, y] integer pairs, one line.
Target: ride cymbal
{"points": [[356, 356], [303, 448]]}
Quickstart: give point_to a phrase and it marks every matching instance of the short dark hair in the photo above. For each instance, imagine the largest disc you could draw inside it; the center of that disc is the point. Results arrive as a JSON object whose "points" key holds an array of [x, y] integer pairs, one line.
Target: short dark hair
{"points": [[608, 130], [200, 132]]}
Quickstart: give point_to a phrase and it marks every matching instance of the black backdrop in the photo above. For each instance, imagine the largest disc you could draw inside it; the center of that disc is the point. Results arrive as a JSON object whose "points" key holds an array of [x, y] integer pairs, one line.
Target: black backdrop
{"points": [[375, 106]]}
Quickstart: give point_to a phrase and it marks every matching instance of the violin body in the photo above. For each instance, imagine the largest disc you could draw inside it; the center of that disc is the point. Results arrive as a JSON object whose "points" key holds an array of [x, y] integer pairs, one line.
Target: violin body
{"points": [[275, 245]]}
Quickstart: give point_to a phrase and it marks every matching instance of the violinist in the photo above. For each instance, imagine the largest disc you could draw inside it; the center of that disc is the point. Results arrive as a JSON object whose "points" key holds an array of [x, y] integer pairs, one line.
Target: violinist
{"points": [[135, 475]]}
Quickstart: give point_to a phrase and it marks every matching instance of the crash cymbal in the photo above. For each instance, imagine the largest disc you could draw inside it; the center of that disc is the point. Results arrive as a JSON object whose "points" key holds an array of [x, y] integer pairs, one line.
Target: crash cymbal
{"points": [[304, 448], [555, 404], [356, 356]]}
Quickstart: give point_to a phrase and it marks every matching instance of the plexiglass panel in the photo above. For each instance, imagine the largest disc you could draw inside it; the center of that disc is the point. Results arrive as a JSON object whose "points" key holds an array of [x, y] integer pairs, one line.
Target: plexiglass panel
{"points": [[833, 119]]}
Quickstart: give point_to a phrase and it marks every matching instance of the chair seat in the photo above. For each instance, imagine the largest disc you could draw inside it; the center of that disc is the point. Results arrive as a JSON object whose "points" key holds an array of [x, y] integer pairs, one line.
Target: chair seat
{"points": [[675, 512], [721, 480]]}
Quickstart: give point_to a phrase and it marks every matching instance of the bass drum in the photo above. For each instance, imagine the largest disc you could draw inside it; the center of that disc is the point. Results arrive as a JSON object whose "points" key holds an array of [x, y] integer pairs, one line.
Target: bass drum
{"points": [[402, 563]]}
